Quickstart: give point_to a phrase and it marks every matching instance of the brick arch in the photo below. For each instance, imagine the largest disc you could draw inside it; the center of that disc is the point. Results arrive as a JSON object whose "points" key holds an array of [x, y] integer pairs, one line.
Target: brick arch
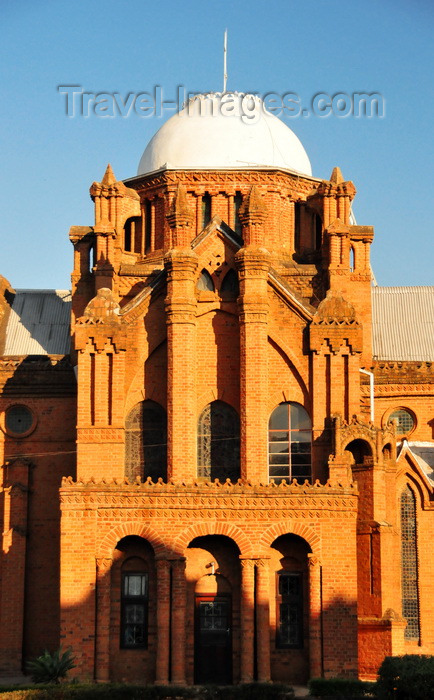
{"points": [[211, 395], [136, 391], [407, 476], [108, 544], [359, 435], [203, 529], [284, 394], [292, 361], [288, 527]]}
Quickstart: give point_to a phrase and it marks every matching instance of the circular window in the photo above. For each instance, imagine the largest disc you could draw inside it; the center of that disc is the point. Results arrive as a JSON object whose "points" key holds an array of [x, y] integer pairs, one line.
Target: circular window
{"points": [[405, 420], [19, 420]]}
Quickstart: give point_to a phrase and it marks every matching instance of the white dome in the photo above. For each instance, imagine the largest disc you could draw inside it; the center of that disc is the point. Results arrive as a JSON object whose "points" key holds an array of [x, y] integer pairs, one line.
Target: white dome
{"points": [[222, 131]]}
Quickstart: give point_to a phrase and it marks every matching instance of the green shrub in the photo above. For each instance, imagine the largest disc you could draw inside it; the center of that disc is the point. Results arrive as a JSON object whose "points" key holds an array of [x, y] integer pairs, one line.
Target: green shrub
{"points": [[408, 677], [51, 668], [340, 688], [124, 691], [249, 691]]}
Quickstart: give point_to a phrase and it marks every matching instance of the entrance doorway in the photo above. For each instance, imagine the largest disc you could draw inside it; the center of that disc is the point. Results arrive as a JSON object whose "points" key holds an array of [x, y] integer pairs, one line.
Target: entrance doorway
{"points": [[213, 639]]}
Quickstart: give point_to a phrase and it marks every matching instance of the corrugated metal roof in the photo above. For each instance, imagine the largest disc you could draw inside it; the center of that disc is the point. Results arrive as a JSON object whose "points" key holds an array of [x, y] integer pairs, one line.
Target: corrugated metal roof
{"points": [[423, 453], [403, 323], [39, 323]]}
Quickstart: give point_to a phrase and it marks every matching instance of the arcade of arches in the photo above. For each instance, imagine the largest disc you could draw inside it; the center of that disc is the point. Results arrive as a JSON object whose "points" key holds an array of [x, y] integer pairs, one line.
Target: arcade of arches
{"points": [[211, 615]]}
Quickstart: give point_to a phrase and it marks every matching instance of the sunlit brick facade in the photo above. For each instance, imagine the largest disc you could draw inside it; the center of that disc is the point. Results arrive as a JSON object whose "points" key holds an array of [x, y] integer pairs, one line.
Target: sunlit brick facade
{"points": [[230, 513]]}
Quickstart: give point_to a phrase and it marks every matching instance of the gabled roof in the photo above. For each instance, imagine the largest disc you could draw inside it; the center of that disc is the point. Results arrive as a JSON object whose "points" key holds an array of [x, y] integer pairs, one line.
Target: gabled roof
{"points": [[38, 323], [423, 454], [403, 323]]}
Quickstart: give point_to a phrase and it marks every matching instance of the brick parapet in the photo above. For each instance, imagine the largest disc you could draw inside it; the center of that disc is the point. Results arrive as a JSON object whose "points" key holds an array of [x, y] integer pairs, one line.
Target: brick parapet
{"points": [[399, 373], [210, 500]]}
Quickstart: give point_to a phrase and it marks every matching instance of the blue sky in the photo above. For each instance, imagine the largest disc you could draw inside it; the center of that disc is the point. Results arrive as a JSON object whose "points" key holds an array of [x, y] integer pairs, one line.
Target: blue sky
{"points": [[301, 46]]}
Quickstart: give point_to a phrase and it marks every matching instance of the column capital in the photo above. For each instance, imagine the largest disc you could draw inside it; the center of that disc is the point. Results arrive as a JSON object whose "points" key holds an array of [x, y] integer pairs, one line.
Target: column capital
{"points": [[263, 562], [178, 564], [162, 563], [253, 261], [181, 259], [247, 562], [103, 564], [313, 560]]}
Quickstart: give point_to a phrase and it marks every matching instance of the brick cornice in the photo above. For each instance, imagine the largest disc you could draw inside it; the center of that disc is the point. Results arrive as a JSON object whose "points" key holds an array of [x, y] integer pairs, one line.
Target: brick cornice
{"points": [[211, 501], [287, 184]]}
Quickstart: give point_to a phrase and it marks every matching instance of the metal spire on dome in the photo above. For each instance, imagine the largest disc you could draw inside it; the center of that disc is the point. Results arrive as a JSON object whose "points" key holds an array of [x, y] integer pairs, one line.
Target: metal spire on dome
{"points": [[225, 67]]}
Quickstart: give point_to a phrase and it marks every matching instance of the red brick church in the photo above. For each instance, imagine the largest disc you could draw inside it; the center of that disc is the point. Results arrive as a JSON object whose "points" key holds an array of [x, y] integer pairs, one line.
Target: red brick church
{"points": [[218, 451]]}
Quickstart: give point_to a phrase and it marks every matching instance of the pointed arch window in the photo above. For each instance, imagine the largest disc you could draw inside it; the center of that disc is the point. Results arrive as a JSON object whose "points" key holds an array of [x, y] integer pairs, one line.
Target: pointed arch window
{"points": [[205, 283], [409, 566], [290, 443], [230, 286], [146, 442], [218, 442]]}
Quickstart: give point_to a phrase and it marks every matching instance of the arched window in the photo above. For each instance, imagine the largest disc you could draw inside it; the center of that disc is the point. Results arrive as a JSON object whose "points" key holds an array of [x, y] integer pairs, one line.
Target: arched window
{"points": [[218, 442], [146, 442], [290, 441], [206, 209], [230, 287], [361, 451], [410, 592], [205, 283], [148, 226], [132, 234], [318, 231]]}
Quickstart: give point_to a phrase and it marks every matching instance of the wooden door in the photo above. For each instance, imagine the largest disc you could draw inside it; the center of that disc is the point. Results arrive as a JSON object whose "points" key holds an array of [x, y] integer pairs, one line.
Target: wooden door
{"points": [[213, 639]]}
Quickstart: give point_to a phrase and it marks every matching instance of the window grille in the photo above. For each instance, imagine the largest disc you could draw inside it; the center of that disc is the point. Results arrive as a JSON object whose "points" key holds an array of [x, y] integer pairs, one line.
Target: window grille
{"points": [[134, 610], [290, 611], [218, 442], [146, 442], [410, 594], [405, 421], [290, 440], [19, 419]]}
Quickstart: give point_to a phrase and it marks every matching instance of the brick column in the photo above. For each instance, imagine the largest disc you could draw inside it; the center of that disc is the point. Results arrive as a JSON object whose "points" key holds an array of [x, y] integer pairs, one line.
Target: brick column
{"points": [[181, 268], [263, 619], [247, 618], [315, 614], [101, 344], [337, 384], [253, 265], [14, 505], [163, 621], [102, 620], [320, 396], [179, 602]]}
